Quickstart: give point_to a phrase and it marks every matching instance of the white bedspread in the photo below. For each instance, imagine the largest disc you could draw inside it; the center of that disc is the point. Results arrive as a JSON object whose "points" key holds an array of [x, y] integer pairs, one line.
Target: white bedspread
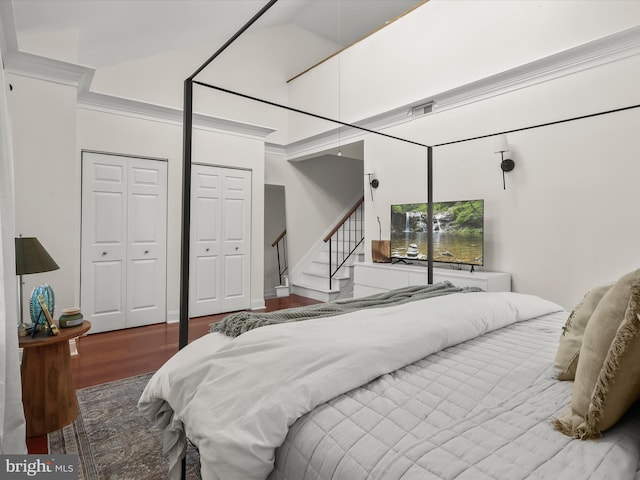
{"points": [[237, 397], [480, 410]]}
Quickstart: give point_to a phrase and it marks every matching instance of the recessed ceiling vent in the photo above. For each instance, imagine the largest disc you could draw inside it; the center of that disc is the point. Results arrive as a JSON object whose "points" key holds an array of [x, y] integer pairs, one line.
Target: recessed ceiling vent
{"points": [[423, 109]]}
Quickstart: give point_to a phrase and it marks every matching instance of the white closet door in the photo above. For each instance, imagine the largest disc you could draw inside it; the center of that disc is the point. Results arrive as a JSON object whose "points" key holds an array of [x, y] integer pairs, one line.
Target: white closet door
{"points": [[123, 216], [146, 242], [103, 264], [220, 279], [206, 225], [236, 240]]}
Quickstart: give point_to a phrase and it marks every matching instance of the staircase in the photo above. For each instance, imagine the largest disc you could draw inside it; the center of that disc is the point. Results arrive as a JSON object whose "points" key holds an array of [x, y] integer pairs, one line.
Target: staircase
{"points": [[314, 280], [328, 275]]}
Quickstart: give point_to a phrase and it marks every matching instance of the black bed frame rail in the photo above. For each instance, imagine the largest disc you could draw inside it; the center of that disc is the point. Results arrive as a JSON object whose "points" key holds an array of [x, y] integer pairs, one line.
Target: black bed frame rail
{"points": [[345, 238]]}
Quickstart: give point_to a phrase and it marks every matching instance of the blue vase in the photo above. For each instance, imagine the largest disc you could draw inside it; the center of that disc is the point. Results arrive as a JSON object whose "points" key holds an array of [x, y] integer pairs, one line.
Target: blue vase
{"points": [[37, 316]]}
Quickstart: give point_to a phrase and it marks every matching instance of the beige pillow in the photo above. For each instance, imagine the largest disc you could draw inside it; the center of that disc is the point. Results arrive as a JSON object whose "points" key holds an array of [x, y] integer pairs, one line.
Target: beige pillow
{"points": [[573, 330], [607, 379]]}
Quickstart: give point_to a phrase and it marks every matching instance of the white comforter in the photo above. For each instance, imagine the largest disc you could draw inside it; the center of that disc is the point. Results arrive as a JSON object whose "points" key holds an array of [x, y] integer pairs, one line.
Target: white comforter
{"points": [[236, 398]]}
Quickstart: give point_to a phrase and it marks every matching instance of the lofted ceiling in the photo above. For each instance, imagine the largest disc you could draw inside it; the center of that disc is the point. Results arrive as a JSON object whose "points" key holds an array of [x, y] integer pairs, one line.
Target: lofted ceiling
{"points": [[115, 31]]}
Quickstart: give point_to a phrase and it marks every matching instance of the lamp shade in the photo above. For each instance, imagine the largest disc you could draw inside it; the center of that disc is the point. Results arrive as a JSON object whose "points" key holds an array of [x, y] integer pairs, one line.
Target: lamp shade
{"points": [[31, 257], [500, 144]]}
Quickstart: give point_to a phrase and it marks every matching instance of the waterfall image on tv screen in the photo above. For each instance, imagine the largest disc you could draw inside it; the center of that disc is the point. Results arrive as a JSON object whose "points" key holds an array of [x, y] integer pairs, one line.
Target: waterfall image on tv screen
{"points": [[458, 232]]}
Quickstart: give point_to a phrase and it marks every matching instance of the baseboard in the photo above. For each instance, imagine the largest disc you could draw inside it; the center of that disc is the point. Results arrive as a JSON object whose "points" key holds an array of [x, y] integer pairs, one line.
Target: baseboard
{"points": [[173, 316]]}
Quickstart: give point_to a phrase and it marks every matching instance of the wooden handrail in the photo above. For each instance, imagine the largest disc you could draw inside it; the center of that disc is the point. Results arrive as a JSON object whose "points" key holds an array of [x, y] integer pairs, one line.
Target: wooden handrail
{"points": [[275, 242], [344, 219]]}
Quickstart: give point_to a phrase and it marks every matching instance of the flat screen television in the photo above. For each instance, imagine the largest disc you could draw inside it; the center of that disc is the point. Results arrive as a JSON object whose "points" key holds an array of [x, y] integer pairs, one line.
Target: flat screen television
{"points": [[458, 232]]}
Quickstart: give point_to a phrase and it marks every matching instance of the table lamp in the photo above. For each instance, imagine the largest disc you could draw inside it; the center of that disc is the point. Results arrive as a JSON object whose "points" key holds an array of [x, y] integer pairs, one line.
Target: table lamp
{"points": [[31, 257]]}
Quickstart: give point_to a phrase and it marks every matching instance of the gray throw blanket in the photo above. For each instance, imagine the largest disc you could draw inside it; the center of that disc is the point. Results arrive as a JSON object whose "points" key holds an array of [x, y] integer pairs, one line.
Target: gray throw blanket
{"points": [[241, 322]]}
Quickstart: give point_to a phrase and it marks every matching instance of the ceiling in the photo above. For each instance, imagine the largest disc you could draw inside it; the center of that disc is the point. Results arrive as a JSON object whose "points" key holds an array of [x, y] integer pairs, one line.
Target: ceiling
{"points": [[115, 31]]}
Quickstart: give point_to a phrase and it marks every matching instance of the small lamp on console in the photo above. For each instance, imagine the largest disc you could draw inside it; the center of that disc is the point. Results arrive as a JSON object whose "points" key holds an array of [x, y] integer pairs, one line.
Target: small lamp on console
{"points": [[31, 257], [501, 146]]}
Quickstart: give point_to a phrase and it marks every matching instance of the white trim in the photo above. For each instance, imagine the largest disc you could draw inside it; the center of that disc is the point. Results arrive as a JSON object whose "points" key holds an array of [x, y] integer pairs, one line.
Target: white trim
{"points": [[258, 304], [48, 69], [173, 316], [593, 54], [135, 108], [270, 293]]}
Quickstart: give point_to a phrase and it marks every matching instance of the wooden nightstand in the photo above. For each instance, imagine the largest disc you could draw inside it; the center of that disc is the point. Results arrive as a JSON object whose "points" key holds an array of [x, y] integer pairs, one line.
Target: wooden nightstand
{"points": [[48, 396]]}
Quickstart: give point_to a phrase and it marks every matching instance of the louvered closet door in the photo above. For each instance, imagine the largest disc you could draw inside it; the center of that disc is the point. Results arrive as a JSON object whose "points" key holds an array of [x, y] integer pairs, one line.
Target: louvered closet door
{"points": [[123, 256], [220, 264]]}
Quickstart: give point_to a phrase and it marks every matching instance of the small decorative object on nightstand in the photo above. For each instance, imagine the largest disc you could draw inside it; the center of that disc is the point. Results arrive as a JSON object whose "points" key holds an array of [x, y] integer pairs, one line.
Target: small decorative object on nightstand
{"points": [[52, 327], [71, 317]]}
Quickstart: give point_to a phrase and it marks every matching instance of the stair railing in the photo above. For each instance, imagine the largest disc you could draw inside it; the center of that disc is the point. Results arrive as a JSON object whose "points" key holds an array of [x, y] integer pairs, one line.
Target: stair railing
{"points": [[345, 238], [281, 245]]}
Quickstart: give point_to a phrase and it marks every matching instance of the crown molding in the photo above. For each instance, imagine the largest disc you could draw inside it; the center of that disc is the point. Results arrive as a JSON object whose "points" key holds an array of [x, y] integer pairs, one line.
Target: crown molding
{"points": [[134, 108], [48, 69], [590, 55], [65, 73], [8, 36]]}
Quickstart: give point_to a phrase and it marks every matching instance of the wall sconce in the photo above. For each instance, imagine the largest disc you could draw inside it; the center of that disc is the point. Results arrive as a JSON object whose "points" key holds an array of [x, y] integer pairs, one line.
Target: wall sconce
{"points": [[501, 146], [373, 183]]}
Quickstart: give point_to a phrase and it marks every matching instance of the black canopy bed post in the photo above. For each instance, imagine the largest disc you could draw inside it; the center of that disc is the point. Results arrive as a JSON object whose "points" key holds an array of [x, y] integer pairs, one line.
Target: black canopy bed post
{"points": [[183, 336], [430, 215]]}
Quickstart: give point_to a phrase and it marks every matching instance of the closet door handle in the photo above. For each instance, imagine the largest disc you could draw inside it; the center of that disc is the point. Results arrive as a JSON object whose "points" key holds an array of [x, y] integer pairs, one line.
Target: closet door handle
{"points": [[104, 254], [146, 252]]}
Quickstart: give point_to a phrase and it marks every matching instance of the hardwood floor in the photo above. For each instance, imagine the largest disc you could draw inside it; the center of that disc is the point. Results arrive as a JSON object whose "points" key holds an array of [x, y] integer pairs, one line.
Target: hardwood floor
{"points": [[108, 356]]}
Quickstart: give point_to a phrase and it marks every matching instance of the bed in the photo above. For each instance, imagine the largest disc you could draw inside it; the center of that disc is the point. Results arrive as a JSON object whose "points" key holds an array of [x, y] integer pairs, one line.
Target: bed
{"points": [[456, 385]]}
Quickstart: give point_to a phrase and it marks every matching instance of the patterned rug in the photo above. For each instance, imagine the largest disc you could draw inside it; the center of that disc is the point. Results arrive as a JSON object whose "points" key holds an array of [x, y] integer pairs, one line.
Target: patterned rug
{"points": [[112, 440]]}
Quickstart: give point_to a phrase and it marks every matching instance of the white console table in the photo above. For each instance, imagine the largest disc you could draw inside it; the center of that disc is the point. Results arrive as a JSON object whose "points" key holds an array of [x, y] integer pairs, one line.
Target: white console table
{"points": [[370, 278]]}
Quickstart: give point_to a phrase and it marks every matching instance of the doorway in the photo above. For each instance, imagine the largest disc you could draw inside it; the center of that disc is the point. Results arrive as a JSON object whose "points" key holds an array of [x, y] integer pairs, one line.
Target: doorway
{"points": [[275, 224]]}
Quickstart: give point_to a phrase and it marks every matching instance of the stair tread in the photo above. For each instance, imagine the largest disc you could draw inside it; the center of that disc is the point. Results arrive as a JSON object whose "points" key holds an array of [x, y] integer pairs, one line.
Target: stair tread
{"points": [[319, 289]]}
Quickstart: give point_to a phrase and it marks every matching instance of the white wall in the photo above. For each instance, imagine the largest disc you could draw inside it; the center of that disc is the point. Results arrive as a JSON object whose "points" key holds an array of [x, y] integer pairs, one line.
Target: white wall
{"points": [[47, 195], [567, 220]]}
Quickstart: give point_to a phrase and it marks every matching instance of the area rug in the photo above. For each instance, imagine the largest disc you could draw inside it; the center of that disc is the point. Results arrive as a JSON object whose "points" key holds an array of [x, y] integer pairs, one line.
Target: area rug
{"points": [[112, 439]]}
